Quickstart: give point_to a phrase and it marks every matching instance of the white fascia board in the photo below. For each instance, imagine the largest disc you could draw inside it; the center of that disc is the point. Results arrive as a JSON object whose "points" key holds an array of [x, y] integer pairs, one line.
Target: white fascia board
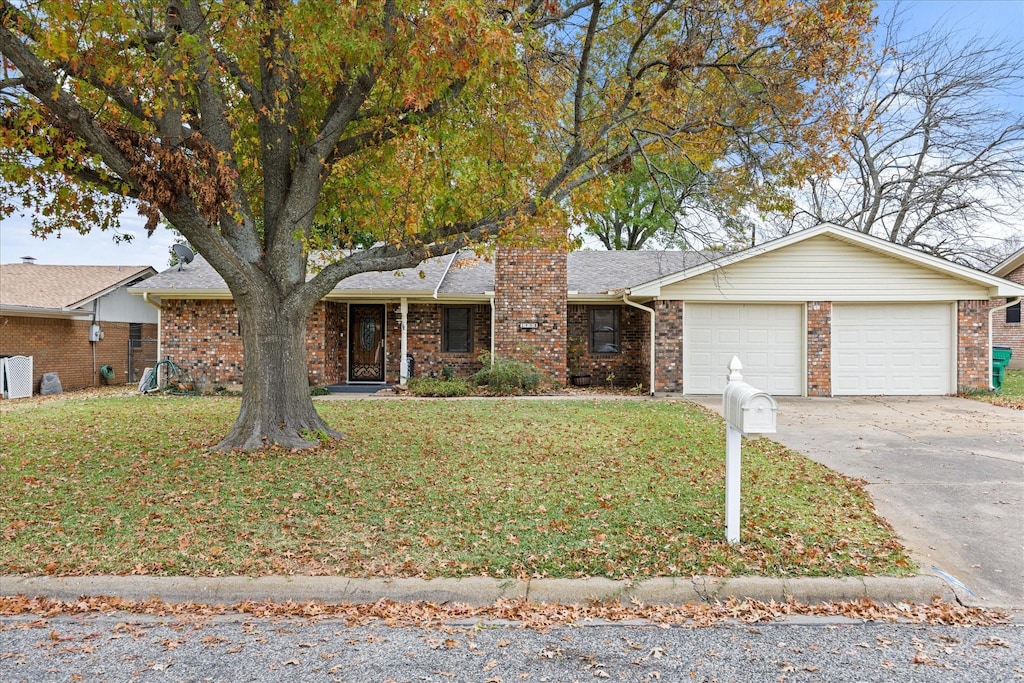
{"points": [[40, 312], [1015, 261], [481, 298], [996, 285], [377, 294], [603, 299], [183, 293]]}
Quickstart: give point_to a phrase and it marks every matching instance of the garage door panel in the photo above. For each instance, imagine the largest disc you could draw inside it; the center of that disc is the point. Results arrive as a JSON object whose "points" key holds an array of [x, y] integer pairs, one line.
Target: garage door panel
{"points": [[891, 349], [768, 339]]}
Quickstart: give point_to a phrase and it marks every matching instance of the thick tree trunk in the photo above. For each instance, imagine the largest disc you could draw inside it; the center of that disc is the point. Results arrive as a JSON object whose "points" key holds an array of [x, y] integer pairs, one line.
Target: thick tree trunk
{"points": [[276, 405]]}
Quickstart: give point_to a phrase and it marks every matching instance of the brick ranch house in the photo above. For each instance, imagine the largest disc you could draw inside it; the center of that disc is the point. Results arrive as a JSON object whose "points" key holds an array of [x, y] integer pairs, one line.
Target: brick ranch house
{"points": [[1007, 329], [73, 320], [823, 312]]}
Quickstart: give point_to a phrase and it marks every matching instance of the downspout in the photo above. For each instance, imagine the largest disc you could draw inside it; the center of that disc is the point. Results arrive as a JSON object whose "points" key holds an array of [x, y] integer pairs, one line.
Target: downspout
{"points": [[625, 300], [95, 322], [1010, 302], [159, 323]]}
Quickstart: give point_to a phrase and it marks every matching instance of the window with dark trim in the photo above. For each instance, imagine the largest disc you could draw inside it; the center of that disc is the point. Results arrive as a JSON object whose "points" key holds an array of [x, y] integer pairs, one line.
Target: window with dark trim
{"points": [[135, 335], [1013, 314], [457, 332], [604, 330]]}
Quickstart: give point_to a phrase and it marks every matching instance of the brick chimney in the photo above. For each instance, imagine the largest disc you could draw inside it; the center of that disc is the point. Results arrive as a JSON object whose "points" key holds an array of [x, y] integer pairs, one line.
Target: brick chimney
{"points": [[530, 307]]}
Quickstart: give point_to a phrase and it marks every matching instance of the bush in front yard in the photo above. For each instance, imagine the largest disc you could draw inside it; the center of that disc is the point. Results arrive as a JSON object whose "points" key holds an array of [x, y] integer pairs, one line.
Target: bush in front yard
{"points": [[505, 376], [443, 388]]}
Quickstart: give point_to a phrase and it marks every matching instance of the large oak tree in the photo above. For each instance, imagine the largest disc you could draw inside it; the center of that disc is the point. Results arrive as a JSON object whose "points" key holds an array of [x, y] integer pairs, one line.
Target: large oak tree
{"points": [[264, 130]]}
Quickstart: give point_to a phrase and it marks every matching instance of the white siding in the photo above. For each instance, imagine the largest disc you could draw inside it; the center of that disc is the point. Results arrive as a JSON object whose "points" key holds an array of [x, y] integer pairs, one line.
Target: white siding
{"points": [[121, 307], [892, 349], [768, 340], [823, 269]]}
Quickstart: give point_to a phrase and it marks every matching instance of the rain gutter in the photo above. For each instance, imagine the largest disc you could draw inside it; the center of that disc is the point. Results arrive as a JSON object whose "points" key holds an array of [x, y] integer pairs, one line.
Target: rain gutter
{"points": [[651, 356]]}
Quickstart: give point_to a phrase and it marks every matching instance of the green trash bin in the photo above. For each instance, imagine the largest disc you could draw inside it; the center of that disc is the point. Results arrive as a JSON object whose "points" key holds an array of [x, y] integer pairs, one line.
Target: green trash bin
{"points": [[1001, 356], [107, 373]]}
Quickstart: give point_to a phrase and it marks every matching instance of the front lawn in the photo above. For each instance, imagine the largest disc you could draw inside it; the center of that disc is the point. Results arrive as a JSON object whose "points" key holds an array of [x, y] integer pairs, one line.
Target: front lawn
{"points": [[497, 487], [1012, 393]]}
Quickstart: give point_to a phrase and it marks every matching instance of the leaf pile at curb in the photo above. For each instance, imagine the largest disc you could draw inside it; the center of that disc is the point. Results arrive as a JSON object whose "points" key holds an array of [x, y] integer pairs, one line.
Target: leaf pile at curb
{"points": [[522, 613]]}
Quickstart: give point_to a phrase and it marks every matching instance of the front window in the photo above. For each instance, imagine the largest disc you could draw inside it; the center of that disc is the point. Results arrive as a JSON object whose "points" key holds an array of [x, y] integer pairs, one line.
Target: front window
{"points": [[604, 330], [1013, 314], [457, 334]]}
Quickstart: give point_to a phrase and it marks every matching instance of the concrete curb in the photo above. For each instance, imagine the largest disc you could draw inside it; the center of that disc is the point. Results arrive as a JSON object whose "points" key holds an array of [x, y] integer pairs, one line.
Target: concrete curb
{"points": [[480, 591]]}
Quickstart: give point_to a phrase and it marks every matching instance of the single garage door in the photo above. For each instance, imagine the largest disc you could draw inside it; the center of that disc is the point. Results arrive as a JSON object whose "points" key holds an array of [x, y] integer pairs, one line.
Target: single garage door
{"points": [[767, 338], [892, 349]]}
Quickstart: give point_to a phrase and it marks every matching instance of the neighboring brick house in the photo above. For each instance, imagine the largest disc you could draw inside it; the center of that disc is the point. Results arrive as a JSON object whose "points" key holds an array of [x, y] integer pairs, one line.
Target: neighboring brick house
{"points": [[73, 320], [823, 312], [1007, 328]]}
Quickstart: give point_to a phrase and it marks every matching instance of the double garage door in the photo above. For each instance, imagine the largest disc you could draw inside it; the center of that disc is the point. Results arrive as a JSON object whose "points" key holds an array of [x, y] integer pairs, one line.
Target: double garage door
{"points": [[877, 349]]}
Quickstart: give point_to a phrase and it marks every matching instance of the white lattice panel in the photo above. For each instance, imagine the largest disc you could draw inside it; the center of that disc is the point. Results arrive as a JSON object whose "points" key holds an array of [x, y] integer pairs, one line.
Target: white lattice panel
{"points": [[17, 376]]}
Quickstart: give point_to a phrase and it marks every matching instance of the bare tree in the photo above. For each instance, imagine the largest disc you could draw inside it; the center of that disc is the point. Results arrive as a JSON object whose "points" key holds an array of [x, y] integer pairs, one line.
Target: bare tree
{"points": [[935, 160]]}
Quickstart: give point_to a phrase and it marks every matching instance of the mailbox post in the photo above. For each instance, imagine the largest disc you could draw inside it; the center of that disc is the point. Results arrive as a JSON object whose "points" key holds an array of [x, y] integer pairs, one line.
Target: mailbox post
{"points": [[747, 411]]}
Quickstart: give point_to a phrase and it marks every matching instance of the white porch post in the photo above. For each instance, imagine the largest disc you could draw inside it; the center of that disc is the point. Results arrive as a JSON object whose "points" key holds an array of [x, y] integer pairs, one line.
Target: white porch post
{"points": [[404, 364]]}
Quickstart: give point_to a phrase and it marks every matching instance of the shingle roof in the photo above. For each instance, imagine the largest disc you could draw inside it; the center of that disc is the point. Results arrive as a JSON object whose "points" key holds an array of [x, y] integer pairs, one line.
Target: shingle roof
{"points": [[589, 272], [61, 287], [598, 272]]}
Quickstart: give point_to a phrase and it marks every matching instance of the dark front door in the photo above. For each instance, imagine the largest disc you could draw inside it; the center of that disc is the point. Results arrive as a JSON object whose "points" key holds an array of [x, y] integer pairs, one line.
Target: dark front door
{"points": [[366, 343]]}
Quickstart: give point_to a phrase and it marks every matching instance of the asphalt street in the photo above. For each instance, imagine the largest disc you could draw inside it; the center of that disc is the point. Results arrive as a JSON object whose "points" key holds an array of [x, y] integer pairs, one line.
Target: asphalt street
{"points": [[114, 647]]}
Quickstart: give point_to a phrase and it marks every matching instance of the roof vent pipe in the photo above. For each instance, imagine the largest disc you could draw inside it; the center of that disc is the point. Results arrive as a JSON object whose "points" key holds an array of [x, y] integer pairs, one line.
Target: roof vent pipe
{"points": [[28, 260]]}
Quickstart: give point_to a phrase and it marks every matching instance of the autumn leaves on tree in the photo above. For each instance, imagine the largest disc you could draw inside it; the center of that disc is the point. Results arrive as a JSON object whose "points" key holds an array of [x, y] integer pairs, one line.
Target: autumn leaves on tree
{"points": [[263, 131]]}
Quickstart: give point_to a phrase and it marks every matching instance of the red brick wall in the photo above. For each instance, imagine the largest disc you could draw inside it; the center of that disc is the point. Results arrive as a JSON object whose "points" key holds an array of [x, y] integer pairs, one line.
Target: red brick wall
{"points": [[336, 329], [973, 362], [531, 287], [1009, 334], [202, 337], [424, 341], [63, 346], [669, 346], [629, 366], [819, 348]]}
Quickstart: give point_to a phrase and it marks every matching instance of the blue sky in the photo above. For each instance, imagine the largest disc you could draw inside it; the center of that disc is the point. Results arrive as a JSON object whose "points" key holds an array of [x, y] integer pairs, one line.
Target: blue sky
{"points": [[998, 19]]}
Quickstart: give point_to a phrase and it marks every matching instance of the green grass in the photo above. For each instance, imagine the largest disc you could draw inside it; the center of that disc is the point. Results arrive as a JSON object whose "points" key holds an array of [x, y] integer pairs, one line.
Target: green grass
{"points": [[496, 487], [1011, 395]]}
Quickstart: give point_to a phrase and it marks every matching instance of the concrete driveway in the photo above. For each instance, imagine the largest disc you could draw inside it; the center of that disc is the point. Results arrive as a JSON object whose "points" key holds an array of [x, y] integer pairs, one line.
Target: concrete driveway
{"points": [[947, 473]]}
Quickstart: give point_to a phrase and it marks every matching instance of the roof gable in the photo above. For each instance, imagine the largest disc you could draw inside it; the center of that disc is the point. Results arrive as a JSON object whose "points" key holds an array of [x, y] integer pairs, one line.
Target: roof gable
{"points": [[62, 287], [1015, 261], [818, 258]]}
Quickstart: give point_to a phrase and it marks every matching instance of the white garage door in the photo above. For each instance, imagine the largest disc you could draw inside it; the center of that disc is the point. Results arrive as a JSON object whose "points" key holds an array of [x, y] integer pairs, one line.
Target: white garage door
{"points": [[768, 340], [892, 349]]}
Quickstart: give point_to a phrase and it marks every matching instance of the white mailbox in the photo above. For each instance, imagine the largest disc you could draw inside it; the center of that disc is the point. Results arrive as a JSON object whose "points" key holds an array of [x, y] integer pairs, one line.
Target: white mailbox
{"points": [[749, 410]]}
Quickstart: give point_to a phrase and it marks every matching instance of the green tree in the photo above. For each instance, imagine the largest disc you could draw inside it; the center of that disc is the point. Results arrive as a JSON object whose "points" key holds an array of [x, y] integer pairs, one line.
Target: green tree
{"points": [[651, 204], [428, 124]]}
